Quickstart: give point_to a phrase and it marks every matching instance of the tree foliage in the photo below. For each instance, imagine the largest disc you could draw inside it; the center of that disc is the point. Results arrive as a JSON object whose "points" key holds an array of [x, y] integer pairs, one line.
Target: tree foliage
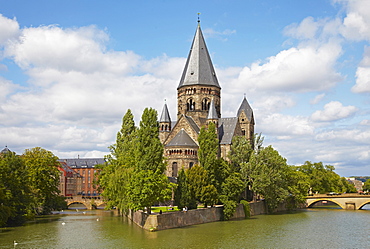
{"points": [[208, 151], [133, 176], [366, 186], [240, 152], [28, 185], [323, 179], [266, 172], [43, 175], [15, 192], [184, 195], [115, 175]]}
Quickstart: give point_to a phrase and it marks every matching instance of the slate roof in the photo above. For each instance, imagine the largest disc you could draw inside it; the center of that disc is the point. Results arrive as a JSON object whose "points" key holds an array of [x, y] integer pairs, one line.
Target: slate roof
{"points": [[193, 124], [182, 139], [165, 116], [226, 129], [82, 162], [212, 113], [5, 150], [198, 68], [247, 109]]}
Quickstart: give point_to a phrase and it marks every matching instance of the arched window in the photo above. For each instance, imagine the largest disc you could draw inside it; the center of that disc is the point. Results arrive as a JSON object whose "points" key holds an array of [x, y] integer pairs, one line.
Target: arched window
{"points": [[191, 164], [205, 104], [174, 169], [243, 132], [190, 105]]}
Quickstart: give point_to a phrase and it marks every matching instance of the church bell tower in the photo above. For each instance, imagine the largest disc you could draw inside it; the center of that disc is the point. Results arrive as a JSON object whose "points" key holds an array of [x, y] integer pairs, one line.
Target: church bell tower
{"points": [[198, 85]]}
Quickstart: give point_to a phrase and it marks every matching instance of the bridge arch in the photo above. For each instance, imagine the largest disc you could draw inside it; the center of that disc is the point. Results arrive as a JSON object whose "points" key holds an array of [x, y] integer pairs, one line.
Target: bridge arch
{"points": [[363, 204], [77, 202], [310, 203]]}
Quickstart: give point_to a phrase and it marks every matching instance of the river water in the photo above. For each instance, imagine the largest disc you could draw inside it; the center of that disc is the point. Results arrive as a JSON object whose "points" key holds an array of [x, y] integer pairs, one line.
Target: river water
{"points": [[310, 228]]}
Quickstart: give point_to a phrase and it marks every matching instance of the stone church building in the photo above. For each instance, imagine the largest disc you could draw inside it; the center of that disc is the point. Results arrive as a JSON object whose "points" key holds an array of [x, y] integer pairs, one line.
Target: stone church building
{"points": [[198, 103]]}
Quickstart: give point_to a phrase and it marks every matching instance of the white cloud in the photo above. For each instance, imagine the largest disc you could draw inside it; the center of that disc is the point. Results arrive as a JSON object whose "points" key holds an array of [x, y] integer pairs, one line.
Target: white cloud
{"points": [[363, 74], [218, 34], [356, 24], [9, 29], [300, 69], [6, 88], [273, 103], [317, 99], [348, 136], [333, 111], [307, 29], [365, 122], [285, 125], [79, 49]]}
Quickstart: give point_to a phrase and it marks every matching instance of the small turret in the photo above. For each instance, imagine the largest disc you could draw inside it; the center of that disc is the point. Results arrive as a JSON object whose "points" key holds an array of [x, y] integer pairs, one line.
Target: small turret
{"points": [[212, 114], [164, 124], [246, 119], [5, 150]]}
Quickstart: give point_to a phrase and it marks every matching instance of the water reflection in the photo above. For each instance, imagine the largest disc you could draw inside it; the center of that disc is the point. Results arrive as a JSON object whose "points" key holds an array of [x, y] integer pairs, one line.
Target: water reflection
{"points": [[313, 228]]}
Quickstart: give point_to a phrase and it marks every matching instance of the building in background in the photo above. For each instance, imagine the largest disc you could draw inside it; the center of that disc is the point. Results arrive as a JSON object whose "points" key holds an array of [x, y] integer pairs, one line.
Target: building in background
{"points": [[69, 181], [85, 168]]}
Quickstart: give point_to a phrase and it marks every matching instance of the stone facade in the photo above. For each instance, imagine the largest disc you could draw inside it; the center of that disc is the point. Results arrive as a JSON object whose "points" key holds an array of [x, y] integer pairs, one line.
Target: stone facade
{"points": [[198, 103]]}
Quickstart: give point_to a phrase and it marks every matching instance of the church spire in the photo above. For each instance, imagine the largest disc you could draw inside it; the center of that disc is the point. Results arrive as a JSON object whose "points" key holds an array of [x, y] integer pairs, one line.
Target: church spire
{"points": [[165, 116], [212, 112], [198, 68], [247, 109]]}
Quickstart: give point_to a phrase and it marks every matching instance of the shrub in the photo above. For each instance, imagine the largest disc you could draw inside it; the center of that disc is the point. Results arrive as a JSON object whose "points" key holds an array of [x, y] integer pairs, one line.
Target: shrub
{"points": [[247, 208]]}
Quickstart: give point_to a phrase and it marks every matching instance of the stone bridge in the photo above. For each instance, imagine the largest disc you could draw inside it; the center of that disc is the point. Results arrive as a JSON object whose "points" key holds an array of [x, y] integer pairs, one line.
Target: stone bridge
{"points": [[345, 201], [90, 202]]}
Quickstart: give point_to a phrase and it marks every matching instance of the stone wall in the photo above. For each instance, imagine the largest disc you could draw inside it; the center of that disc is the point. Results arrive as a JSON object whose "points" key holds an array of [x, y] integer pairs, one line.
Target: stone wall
{"points": [[182, 218], [153, 222]]}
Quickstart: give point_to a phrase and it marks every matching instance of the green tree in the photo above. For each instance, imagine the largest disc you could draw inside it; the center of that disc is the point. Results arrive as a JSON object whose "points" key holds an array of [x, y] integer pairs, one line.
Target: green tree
{"points": [[366, 186], [114, 176], [149, 153], [208, 152], [209, 195], [148, 184], [232, 187], [217, 168], [298, 186], [240, 152], [323, 179], [123, 150], [15, 200], [200, 186], [148, 188], [266, 173], [183, 196], [43, 175]]}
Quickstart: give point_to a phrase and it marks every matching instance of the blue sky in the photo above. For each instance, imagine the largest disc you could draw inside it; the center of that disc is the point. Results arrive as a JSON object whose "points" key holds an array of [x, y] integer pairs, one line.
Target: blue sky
{"points": [[69, 70]]}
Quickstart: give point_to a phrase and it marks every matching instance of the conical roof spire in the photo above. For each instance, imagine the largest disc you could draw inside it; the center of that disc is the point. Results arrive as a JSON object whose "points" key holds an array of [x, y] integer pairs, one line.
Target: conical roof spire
{"points": [[212, 112], [165, 116], [5, 150], [246, 108], [198, 68]]}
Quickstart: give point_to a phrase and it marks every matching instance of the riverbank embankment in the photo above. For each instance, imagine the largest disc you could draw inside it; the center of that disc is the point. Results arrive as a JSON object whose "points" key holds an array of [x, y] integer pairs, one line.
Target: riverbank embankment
{"points": [[153, 222]]}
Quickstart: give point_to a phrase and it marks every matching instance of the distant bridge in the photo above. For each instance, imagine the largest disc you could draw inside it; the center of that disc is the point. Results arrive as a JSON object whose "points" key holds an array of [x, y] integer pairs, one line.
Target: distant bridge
{"points": [[90, 202], [345, 201]]}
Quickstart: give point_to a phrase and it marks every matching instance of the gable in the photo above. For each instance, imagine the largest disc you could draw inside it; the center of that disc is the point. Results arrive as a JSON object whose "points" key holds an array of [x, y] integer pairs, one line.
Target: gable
{"points": [[188, 125]]}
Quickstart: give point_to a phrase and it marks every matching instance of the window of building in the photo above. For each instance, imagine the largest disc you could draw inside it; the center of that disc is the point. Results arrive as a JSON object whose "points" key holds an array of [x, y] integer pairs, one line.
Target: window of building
{"points": [[190, 105], [174, 169]]}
